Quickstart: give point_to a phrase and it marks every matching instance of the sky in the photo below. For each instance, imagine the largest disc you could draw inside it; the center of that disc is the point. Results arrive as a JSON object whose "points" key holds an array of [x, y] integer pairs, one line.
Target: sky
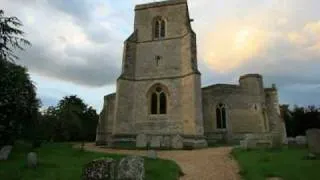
{"points": [[77, 44]]}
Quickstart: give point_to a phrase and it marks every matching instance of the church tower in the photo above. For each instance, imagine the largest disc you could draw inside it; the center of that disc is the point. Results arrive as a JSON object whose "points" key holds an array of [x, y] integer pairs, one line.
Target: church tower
{"points": [[159, 90]]}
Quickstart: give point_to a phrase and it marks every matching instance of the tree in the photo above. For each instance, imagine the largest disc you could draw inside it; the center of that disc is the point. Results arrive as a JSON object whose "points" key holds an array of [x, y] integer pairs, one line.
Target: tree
{"points": [[18, 102], [47, 123], [300, 119], [70, 113], [11, 37], [70, 120]]}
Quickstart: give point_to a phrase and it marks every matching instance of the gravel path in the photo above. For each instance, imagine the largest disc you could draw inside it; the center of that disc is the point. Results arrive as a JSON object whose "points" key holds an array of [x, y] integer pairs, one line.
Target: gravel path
{"points": [[203, 164]]}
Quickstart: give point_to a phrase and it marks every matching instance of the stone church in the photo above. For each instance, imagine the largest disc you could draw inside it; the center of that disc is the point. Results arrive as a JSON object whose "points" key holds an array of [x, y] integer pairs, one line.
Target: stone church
{"points": [[159, 102]]}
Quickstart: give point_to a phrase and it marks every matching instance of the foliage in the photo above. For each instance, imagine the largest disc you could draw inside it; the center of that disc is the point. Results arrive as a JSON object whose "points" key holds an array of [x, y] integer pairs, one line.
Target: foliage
{"points": [[61, 161], [300, 119], [11, 37], [70, 120], [18, 102], [285, 163]]}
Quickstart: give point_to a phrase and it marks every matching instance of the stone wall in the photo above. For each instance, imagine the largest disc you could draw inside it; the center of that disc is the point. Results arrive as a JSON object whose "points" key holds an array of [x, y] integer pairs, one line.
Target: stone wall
{"points": [[106, 119], [176, 72], [245, 108], [191, 111], [173, 12], [276, 123]]}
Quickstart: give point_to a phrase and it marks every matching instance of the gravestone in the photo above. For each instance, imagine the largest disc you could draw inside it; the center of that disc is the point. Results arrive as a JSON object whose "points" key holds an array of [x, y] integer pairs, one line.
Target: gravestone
{"points": [[152, 154], [313, 139], [141, 140], [276, 140], [177, 142], [155, 141], [4, 152], [166, 142], [32, 160], [301, 140], [131, 168], [100, 169], [291, 140]]}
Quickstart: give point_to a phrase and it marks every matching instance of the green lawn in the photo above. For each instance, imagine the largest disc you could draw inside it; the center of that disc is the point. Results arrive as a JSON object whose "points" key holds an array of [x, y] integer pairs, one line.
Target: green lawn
{"points": [[287, 163], [61, 161]]}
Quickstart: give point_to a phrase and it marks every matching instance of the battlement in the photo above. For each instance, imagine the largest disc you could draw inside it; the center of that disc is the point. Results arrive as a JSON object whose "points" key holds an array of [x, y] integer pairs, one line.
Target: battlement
{"points": [[159, 4], [223, 86], [112, 95], [250, 75]]}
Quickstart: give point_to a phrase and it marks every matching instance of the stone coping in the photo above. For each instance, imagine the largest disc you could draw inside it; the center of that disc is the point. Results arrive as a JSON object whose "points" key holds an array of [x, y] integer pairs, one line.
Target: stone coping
{"points": [[231, 86], [159, 4], [250, 75], [159, 78], [109, 95]]}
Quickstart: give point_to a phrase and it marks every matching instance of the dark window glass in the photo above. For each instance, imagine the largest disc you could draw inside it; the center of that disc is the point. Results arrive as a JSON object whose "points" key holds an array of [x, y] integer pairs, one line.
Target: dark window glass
{"points": [[163, 103], [218, 117], [223, 112], [163, 28], [154, 99], [156, 29]]}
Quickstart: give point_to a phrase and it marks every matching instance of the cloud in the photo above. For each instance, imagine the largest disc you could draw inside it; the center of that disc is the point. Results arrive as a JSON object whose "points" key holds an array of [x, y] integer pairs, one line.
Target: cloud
{"points": [[80, 42], [307, 39], [232, 44], [67, 44]]}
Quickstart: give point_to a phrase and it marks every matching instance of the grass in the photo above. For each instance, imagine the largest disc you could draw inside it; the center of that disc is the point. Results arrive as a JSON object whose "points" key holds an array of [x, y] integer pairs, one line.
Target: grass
{"points": [[287, 163], [59, 161]]}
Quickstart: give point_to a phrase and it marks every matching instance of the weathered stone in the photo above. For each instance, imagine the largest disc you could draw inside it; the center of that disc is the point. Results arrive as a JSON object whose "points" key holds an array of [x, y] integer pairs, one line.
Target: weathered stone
{"points": [[131, 168], [152, 154], [313, 138], [141, 140], [274, 178], [32, 160], [249, 136], [277, 140], [187, 108], [177, 142], [301, 140], [166, 142], [311, 156], [5, 152], [99, 169], [291, 140], [243, 144], [251, 141], [155, 141]]}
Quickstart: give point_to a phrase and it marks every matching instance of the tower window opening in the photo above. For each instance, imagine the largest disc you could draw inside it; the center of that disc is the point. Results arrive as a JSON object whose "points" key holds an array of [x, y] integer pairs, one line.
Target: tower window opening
{"points": [[159, 28]]}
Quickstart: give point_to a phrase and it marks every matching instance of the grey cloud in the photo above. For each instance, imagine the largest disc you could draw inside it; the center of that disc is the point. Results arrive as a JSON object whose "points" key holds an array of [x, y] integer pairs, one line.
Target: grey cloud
{"points": [[97, 71], [79, 9], [100, 63]]}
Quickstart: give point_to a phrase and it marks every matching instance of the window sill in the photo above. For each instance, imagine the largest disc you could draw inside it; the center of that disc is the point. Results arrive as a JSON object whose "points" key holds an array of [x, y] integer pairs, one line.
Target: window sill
{"points": [[221, 130], [158, 117]]}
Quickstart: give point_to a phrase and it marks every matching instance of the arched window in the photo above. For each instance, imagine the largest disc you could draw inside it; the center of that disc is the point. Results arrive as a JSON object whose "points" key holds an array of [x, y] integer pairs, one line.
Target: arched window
{"points": [[221, 116], [158, 101], [159, 28]]}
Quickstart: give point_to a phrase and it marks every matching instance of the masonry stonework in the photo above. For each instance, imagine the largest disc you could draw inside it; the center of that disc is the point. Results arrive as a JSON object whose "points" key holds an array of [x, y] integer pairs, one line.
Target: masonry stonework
{"points": [[160, 58]]}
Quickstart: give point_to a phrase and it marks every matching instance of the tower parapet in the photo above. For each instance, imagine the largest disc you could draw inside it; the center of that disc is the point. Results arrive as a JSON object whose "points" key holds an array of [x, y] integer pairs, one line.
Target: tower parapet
{"points": [[253, 83]]}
